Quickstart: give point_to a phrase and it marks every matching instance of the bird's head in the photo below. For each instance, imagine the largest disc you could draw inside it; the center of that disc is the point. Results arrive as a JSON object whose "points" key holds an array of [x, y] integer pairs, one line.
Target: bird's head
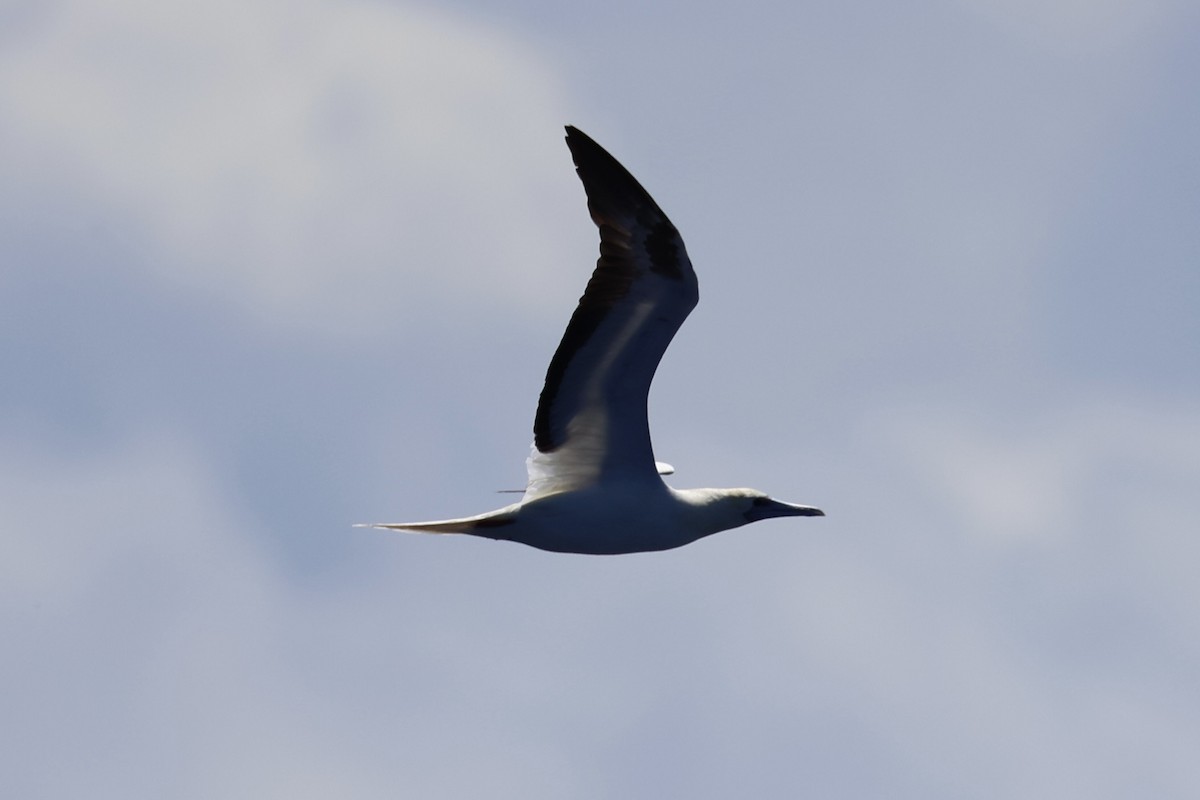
{"points": [[722, 509], [755, 505]]}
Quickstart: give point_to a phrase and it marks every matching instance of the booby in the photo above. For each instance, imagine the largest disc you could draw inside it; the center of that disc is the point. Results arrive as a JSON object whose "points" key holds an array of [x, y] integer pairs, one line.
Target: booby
{"points": [[594, 486]]}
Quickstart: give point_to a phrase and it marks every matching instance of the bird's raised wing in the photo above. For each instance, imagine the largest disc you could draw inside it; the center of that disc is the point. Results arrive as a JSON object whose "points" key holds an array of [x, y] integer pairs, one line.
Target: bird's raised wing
{"points": [[591, 423]]}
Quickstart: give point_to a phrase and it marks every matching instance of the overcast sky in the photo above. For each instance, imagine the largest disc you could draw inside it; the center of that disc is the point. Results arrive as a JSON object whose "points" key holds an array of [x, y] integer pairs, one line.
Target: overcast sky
{"points": [[269, 269]]}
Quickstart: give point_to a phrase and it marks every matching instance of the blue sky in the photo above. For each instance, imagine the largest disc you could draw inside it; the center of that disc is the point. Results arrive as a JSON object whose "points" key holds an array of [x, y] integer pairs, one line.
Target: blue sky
{"points": [[270, 269]]}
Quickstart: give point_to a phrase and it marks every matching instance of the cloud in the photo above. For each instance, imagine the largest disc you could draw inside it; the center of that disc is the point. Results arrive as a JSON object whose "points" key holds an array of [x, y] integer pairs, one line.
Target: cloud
{"points": [[310, 163], [130, 592], [1054, 476]]}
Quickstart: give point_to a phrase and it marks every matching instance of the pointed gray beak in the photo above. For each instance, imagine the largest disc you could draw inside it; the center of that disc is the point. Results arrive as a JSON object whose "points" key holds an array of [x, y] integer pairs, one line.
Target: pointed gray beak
{"points": [[766, 507]]}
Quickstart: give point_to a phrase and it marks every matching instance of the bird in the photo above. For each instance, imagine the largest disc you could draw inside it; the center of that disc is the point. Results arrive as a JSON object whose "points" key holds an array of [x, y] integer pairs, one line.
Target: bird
{"points": [[594, 486]]}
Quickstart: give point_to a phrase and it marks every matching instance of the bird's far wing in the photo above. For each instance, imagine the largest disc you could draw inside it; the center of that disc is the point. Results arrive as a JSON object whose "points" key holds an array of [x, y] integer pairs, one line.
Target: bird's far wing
{"points": [[591, 419]]}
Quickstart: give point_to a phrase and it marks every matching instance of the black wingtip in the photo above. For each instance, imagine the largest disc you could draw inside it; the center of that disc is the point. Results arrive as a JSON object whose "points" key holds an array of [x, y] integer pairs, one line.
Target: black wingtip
{"points": [[590, 157], [579, 142], [575, 133], [609, 186]]}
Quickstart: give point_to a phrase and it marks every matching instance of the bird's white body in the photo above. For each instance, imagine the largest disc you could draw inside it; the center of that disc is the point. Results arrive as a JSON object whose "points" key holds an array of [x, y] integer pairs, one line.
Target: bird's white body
{"points": [[594, 486], [608, 519], [622, 517]]}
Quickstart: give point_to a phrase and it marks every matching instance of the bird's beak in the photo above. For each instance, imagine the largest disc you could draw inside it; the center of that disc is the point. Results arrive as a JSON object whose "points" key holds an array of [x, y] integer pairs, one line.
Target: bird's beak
{"points": [[777, 508]]}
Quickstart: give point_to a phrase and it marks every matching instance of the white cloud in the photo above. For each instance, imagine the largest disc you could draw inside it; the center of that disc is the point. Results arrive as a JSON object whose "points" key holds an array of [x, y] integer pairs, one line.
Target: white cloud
{"points": [[1060, 474], [1027, 605], [308, 161], [107, 562], [154, 640]]}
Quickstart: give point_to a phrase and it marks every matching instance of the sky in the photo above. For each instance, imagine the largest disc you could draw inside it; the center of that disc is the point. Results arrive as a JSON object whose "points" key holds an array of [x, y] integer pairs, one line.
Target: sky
{"points": [[270, 269]]}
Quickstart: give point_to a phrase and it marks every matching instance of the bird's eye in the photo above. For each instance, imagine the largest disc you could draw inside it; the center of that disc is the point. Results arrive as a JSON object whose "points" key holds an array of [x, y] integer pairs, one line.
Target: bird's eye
{"points": [[759, 502]]}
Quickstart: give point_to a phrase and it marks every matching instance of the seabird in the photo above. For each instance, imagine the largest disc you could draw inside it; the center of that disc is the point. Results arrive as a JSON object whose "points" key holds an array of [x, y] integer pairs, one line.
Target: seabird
{"points": [[594, 486]]}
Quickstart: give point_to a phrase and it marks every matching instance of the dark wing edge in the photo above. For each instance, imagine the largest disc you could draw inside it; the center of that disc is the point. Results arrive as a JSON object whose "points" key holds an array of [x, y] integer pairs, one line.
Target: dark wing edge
{"points": [[636, 239]]}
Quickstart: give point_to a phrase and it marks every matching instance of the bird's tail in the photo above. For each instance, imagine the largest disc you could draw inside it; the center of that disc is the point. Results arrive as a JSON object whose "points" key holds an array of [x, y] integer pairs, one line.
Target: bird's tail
{"points": [[491, 524]]}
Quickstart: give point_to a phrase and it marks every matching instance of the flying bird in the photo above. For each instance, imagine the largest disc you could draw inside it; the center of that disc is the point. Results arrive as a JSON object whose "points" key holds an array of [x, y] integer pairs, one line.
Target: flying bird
{"points": [[594, 486]]}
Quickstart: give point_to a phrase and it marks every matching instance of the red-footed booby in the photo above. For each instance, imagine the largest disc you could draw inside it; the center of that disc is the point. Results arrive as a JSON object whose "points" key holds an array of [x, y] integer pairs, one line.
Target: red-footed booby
{"points": [[594, 486]]}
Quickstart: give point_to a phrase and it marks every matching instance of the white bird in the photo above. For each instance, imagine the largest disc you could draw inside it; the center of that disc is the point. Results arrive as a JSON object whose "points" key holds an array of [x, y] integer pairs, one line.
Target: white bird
{"points": [[594, 486]]}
